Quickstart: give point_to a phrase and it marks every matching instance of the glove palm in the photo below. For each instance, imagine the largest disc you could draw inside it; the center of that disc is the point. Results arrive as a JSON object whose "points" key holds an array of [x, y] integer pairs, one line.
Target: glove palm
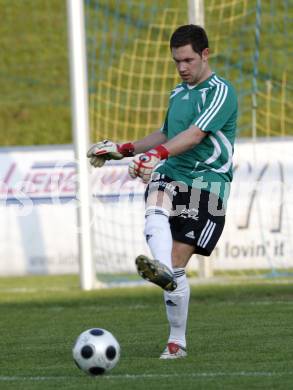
{"points": [[142, 165], [108, 150]]}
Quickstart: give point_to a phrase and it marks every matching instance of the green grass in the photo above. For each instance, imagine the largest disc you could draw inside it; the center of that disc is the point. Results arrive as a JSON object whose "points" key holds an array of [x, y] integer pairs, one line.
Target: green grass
{"points": [[239, 337], [34, 73]]}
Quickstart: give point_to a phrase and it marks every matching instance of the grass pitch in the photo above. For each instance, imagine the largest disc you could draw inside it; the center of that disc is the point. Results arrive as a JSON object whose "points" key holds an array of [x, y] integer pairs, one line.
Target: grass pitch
{"points": [[239, 336]]}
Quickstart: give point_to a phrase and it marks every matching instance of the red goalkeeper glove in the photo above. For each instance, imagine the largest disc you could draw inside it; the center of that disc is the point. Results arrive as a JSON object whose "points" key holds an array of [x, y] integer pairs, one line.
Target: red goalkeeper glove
{"points": [[107, 150], [143, 164]]}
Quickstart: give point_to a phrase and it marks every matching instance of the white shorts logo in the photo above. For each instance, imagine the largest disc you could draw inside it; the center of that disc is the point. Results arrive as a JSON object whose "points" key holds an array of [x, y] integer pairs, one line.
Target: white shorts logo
{"points": [[190, 234]]}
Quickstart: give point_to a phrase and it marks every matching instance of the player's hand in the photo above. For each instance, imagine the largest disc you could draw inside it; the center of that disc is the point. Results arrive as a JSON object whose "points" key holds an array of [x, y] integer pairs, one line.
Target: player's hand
{"points": [[108, 150], [143, 164], [102, 151]]}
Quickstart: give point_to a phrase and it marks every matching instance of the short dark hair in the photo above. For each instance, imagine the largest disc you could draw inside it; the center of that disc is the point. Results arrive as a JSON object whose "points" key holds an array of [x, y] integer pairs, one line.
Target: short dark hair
{"points": [[190, 34]]}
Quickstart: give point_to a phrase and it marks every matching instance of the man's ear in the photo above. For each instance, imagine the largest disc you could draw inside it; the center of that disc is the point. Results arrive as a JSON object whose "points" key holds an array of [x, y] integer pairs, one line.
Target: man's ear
{"points": [[205, 53]]}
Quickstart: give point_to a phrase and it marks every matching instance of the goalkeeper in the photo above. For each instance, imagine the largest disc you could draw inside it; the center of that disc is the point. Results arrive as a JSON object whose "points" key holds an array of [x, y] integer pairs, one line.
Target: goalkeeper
{"points": [[188, 167]]}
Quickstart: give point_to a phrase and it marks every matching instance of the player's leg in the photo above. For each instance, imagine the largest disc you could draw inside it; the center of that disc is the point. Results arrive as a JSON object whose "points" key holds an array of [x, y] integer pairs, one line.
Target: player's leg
{"points": [[177, 302], [159, 238], [194, 230], [157, 228]]}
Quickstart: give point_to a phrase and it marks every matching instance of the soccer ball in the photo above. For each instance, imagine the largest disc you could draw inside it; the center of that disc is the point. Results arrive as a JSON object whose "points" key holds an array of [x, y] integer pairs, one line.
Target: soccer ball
{"points": [[96, 351]]}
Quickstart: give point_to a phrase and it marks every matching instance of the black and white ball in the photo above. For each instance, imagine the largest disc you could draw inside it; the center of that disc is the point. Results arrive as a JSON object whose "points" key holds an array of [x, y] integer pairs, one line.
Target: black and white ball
{"points": [[96, 351]]}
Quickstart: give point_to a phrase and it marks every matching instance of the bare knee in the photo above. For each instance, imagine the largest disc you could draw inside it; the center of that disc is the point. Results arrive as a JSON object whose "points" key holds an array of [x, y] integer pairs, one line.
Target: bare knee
{"points": [[181, 254]]}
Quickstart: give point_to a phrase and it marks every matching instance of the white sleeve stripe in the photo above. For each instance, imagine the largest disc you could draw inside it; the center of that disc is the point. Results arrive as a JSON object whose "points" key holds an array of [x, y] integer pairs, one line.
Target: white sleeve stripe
{"points": [[206, 112], [217, 79], [216, 104], [218, 108]]}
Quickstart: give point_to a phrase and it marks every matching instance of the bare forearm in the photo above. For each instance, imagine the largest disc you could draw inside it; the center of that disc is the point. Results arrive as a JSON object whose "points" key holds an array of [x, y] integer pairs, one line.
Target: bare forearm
{"points": [[184, 141], [149, 142]]}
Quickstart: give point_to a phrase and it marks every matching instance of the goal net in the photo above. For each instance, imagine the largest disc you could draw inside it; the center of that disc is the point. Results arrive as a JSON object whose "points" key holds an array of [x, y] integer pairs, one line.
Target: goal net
{"points": [[130, 75]]}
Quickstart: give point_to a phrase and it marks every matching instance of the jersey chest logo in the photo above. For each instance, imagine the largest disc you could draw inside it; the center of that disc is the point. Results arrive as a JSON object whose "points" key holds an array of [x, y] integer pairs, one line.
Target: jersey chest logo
{"points": [[185, 97]]}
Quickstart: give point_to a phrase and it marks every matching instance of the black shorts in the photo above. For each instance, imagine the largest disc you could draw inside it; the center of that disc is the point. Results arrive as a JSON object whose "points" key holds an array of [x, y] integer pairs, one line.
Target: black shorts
{"points": [[197, 216]]}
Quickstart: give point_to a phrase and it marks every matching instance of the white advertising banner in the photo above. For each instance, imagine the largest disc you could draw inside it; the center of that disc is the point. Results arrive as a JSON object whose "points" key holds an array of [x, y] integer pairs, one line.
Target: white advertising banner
{"points": [[259, 220], [37, 191], [39, 231]]}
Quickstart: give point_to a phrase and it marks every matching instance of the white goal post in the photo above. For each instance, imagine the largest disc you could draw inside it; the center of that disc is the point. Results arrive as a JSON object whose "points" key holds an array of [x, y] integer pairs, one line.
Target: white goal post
{"points": [[80, 123], [196, 12]]}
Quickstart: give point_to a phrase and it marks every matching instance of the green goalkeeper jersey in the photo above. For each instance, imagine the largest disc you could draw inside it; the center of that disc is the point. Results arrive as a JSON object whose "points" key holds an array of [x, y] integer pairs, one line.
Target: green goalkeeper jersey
{"points": [[211, 106]]}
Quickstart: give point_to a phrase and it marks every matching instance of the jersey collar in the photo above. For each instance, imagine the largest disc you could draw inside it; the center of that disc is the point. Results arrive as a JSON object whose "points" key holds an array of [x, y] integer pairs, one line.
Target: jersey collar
{"points": [[201, 85]]}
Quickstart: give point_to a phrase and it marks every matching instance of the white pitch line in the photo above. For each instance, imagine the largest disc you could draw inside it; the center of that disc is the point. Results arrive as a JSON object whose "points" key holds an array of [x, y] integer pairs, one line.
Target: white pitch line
{"points": [[28, 290], [251, 303], [151, 376], [201, 375]]}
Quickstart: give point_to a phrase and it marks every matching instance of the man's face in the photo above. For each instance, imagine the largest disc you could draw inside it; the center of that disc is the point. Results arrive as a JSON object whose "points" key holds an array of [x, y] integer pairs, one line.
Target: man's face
{"points": [[190, 65]]}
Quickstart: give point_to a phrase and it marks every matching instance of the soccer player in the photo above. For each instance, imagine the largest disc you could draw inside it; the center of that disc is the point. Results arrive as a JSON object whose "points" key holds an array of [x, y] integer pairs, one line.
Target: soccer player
{"points": [[188, 167]]}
